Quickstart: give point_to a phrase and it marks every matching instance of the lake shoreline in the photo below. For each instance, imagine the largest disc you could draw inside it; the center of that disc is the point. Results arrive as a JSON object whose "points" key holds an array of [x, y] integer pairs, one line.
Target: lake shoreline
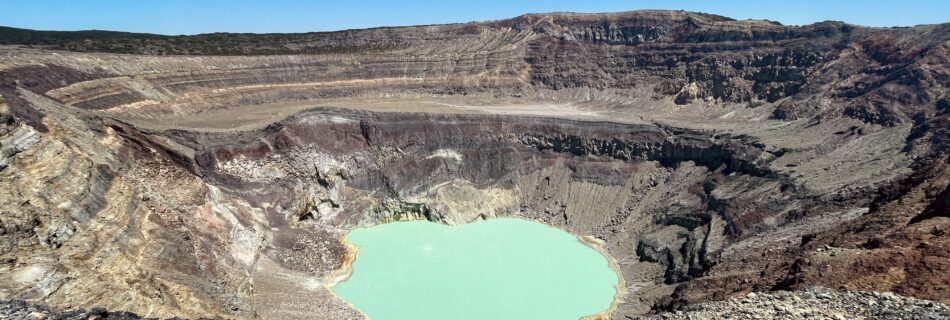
{"points": [[346, 268]]}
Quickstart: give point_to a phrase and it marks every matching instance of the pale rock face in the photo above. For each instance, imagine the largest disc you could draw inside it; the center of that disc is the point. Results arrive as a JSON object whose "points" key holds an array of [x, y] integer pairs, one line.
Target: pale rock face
{"points": [[458, 201], [446, 154], [19, 140]]}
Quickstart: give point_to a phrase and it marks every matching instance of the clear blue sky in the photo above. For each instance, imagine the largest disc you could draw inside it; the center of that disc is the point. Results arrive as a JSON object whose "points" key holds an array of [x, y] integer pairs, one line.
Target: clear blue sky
{"points": [[201, 16]]}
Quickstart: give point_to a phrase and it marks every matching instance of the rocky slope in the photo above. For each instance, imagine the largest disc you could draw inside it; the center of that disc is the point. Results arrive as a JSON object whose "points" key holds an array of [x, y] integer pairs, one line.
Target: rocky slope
{"points": [[811, 303], [715, 157], [814, 303]]}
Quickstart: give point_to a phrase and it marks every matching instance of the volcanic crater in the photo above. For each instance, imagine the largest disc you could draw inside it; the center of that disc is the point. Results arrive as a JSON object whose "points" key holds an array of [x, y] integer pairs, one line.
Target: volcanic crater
{"points": [[215, 175]]}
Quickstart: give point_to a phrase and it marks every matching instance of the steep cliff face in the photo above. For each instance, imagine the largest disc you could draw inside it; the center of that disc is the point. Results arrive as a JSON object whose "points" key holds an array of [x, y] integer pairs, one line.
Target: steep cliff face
{"points": [[713, 156]]}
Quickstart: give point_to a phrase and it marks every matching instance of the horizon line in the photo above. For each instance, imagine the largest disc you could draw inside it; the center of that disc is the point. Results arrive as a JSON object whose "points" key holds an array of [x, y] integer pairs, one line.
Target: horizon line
{"points": [[466, 22]]}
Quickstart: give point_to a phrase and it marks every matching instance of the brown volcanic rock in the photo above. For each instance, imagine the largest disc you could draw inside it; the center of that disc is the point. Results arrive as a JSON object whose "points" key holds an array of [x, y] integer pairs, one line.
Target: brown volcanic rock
{"points": [[713, 156]]}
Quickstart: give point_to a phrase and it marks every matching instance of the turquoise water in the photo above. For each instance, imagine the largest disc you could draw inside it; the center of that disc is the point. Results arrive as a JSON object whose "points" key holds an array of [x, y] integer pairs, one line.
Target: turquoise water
{"points": [[491, 269]]}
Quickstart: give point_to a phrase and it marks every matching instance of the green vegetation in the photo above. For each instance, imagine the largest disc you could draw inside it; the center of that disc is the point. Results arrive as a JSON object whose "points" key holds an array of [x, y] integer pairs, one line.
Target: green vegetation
{"points": [[202, 44]]}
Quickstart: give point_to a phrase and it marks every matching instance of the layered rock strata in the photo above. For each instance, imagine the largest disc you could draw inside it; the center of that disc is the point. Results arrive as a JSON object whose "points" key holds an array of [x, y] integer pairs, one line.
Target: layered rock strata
{"points": [[714, 157]]}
